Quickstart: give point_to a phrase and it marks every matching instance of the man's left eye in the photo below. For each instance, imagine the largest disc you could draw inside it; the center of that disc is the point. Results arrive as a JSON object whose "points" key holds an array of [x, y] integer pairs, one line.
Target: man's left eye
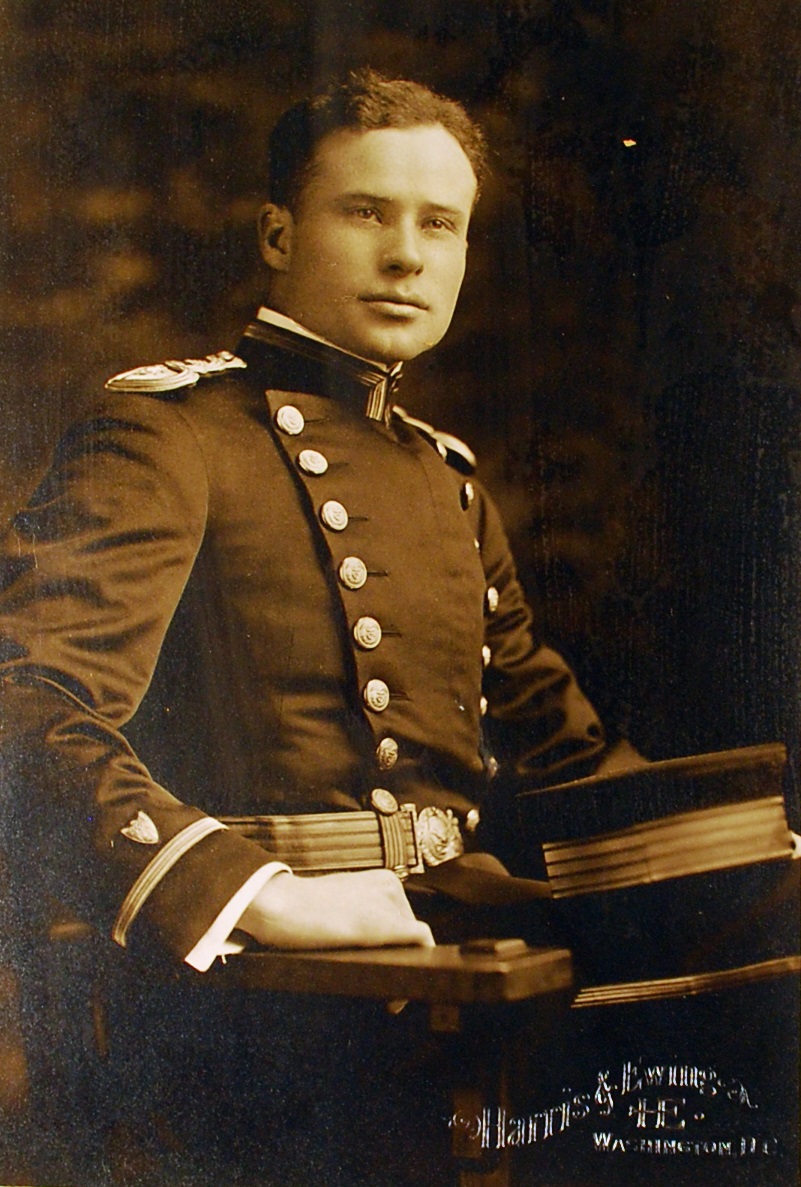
{"points": [[439, 224]]}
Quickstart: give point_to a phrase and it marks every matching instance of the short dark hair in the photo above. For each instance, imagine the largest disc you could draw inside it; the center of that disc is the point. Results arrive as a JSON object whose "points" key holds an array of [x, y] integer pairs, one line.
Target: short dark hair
{"points": [[364, 101]]}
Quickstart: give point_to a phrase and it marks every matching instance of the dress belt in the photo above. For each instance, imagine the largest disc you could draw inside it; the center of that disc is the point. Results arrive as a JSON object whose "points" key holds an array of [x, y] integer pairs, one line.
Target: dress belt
{"points": [[389, 836]]}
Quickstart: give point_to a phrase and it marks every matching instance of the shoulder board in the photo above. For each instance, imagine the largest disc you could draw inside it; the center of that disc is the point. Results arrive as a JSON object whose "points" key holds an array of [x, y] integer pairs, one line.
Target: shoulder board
{"points": [[169, 376], [455, 452]]}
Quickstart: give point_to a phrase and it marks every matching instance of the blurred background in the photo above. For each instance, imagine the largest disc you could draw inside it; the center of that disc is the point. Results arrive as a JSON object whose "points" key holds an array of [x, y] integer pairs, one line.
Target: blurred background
{"points": [[625, 357]]}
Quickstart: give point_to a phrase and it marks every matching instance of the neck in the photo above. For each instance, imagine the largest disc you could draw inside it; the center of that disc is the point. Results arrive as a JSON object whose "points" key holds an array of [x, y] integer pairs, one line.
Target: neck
{"points": [[275, 317]]}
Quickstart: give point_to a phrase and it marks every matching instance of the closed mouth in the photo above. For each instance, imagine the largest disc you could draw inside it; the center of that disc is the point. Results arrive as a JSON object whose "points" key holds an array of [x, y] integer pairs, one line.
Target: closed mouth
{"points": [[394, 300]]}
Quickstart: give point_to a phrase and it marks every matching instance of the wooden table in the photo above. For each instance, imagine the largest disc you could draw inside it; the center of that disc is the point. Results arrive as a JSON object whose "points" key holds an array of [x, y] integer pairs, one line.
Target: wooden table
{"points": [[474, 993]]}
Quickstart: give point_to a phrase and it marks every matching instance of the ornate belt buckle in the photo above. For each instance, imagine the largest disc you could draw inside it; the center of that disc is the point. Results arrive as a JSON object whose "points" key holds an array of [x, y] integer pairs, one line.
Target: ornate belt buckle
{"points": [[438, 836]]}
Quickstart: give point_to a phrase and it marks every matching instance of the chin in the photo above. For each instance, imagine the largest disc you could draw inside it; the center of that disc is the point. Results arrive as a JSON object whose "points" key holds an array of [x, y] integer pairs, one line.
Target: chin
{"points": [[396, 348], [389, 342]]}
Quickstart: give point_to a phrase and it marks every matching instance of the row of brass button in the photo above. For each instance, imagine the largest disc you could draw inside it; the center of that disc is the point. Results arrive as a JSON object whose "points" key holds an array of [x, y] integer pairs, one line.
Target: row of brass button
{"points": [[367, 632], [352, 573]]}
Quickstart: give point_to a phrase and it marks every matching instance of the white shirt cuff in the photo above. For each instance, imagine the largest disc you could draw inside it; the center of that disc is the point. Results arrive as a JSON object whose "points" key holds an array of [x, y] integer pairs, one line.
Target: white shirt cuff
{"points": [[215, 941]]}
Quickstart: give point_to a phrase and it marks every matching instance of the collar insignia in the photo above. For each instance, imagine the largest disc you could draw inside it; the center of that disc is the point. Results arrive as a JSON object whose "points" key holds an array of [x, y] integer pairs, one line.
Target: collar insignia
{"points": [[297, 363]]}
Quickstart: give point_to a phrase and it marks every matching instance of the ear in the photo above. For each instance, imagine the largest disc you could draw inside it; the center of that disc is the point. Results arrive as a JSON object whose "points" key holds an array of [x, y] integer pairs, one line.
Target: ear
{"points": [[276, 228]]}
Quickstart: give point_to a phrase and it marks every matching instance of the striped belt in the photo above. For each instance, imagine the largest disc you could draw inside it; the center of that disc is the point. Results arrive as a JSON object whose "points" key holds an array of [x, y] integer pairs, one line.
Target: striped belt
{"points": [[390, 836]]}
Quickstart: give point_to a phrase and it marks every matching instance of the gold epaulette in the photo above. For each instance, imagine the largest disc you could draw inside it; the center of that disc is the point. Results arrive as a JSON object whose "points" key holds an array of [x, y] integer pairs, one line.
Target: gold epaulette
{"points": [[169, 376], [455, 452]]}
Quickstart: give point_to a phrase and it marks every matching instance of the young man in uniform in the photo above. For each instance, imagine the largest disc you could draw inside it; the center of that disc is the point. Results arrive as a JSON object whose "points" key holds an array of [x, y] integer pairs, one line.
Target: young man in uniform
{"points": [[250, 586]]}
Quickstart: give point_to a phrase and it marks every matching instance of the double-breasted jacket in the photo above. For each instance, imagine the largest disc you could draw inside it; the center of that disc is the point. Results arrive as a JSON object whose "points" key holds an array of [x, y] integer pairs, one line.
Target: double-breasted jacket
{"points": [[245, 595]]}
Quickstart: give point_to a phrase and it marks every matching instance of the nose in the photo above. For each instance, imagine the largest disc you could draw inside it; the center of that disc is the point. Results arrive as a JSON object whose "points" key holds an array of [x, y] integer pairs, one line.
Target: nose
{"points": [[402, 252]]}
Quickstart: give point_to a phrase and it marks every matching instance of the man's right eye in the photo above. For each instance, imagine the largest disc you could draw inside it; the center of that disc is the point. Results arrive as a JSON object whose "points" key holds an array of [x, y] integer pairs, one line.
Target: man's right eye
{"points": [[366, 213]]}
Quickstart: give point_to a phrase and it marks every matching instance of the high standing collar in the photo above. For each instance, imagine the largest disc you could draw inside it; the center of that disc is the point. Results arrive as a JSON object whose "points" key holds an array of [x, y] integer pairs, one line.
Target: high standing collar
{"points": [[298, 363]]}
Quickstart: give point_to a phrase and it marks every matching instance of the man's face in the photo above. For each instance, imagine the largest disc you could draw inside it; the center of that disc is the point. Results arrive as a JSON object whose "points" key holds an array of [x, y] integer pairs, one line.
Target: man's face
{"points": [[374, 254]]}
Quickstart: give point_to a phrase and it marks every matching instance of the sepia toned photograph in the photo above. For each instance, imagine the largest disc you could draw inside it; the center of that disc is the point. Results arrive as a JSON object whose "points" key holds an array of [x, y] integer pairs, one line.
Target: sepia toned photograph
{"points": [[400, 705]]}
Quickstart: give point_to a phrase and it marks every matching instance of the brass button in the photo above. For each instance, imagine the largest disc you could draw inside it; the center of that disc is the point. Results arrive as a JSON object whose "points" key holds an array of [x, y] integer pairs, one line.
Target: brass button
{"points": [[471, 820], [383, 801], [483, 706], [353, 572], [376, 695], [334, 515], [486, 655], [386, 753], [290, 420], [492, 599], [477, 545], [311, 461], [467, 494], [367, 632]]}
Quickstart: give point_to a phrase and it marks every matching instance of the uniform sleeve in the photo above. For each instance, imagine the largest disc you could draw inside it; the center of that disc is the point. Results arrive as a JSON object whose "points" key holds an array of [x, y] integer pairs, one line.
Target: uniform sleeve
{"points": [[539, 725], [91, 571], [216, 941]]}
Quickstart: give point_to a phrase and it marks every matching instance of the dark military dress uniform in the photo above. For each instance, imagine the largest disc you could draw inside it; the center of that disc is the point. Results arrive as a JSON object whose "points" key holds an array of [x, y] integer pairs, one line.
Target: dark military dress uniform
{"points": [[262, 592]]}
